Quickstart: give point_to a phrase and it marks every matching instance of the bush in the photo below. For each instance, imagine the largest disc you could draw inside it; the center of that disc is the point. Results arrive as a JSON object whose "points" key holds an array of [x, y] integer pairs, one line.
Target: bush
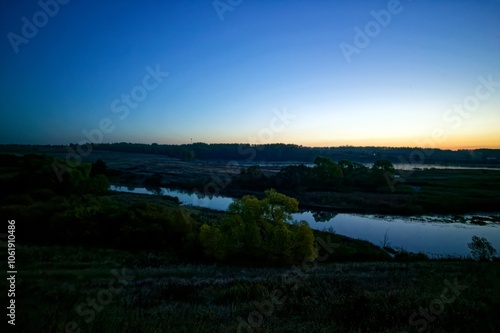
{"points": [[260, 231], [481, 249]]}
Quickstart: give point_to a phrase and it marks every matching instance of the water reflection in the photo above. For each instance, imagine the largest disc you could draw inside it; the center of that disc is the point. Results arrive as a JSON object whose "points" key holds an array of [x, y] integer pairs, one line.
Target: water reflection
{"points": [[322, 216], [186, 198], [447, 235], [415, 234], [398, 166], [155, 190]]}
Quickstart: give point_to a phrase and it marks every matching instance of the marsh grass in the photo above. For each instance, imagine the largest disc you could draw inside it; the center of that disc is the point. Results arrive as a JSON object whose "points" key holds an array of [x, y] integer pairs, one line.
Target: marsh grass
{"points": [[335, 297]]}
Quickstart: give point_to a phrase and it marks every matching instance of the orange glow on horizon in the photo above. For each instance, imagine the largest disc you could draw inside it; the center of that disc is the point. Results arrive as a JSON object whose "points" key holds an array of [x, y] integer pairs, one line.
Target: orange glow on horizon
{"points": [[457, 144]]}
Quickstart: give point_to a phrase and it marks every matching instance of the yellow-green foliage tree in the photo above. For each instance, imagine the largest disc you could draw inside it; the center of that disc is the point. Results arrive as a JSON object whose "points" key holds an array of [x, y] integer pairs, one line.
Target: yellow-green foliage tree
{"points": [[260, 230]]}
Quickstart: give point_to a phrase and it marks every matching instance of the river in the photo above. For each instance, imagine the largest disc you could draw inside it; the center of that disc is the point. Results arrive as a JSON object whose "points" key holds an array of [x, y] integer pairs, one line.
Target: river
{"points": [[436, 236]]}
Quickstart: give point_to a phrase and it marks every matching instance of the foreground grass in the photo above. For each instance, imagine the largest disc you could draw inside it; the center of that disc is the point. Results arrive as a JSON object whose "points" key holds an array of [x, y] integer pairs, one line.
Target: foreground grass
{"points": [[57, 285]]}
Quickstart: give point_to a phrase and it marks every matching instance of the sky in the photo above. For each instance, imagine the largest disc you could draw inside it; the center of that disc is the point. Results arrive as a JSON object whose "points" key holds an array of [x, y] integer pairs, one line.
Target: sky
{"points": [[394, 73]]}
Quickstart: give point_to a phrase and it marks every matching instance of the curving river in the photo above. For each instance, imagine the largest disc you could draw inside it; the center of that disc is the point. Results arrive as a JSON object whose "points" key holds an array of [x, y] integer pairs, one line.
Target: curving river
{"points": [[433, 235]]}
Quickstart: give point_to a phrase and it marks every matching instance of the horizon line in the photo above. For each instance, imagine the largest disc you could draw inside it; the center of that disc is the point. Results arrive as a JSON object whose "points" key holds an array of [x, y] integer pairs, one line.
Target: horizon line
{"points": [[256, 144]]}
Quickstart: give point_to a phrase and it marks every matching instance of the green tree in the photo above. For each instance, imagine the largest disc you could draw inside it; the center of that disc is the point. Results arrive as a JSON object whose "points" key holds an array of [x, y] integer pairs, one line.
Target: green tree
{"points": [[97, 185], [98, 168], [80, 182], [252, 178], [294, 177], [346, 166], [278, 208], [327, 173], [260, 230], [349, 168], [213, 240], [481, 249], [355, 174], [303, 241], [383, 166], [382, 173]]}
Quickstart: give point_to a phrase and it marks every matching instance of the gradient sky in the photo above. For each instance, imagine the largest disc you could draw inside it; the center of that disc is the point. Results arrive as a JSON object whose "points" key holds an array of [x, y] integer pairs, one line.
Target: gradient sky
{"points": [[229, 78]]}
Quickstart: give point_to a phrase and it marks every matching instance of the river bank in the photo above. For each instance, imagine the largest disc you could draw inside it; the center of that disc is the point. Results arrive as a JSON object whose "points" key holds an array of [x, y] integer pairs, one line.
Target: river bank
{"points": [[420, 192], [437, 236]]}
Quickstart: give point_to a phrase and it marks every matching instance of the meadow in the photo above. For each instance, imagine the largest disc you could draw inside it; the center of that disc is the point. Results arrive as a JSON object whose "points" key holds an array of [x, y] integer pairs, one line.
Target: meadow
{"points": [[68, 289]]}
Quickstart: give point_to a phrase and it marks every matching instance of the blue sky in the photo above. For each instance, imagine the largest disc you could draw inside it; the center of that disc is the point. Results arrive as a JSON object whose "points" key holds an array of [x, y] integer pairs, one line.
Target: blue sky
{"points": [[228, 79]]}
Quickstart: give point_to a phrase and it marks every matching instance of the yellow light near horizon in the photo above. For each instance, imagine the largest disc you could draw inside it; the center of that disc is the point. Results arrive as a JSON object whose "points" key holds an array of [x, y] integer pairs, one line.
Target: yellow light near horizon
{"points": [[453, 142], [473, 141]]}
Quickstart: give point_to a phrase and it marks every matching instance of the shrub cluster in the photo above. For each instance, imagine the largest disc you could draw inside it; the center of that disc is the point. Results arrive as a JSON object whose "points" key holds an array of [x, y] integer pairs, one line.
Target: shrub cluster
{"points": [[325, 175]]}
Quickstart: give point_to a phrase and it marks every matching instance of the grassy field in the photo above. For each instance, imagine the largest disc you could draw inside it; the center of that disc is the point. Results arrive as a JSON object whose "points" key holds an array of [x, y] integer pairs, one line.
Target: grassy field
{"points": [[68, 289]]}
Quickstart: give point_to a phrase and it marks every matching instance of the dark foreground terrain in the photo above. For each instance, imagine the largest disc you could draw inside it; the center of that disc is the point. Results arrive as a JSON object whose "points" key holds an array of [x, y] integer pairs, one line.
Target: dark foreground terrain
{"points": [[74, 289]]}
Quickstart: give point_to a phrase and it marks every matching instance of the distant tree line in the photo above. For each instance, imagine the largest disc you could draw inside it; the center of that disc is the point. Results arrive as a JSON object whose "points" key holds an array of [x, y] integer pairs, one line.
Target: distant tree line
{"points": [[290, 152]]}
